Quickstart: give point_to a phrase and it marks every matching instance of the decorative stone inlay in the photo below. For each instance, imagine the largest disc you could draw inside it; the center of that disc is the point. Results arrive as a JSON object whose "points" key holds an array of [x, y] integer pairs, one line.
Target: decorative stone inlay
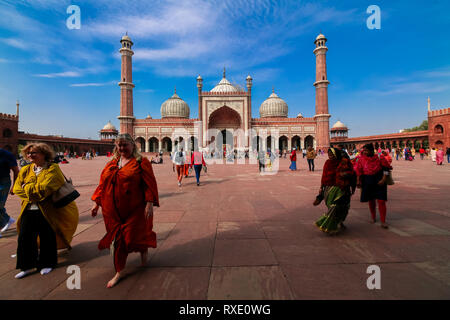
{"points": [[139, 131], [238, 106], [166, 129], [309, 129], [296, 129], [152, 130]]}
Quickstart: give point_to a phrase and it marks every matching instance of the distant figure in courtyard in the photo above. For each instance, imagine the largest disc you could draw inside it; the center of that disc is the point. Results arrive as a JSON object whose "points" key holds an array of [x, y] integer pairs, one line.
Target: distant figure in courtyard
{"points": [[422, 153], [433, 154], [304, 152], [268, 159], [413, 153], [179, 159], [293, 158], [8, 163], [126, 193], [38, 217], [186, 164], [439, 156], [261, 157], [310, 156], [337, 186], [448, 154], [372, 172], [198, 162]]}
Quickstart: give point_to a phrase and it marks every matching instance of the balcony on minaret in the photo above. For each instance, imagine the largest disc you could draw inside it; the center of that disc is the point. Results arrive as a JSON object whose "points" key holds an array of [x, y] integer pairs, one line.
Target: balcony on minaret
{"points": [[321, 65]]}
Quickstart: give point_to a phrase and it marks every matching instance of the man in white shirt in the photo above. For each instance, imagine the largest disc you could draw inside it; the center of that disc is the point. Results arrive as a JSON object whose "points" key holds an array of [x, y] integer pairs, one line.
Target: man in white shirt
{"points": [[178, 159]]}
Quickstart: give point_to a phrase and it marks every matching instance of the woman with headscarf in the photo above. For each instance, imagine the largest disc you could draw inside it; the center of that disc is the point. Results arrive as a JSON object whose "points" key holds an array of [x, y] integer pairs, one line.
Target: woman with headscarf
{"points": [[372, 172], [337, 186], [439, 156], [433, 154], [126, 193], [35, 185], [293, 158]]}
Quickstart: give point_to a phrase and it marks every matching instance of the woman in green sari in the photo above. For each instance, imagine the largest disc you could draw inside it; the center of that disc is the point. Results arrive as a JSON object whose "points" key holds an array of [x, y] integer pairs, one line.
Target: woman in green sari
{"points": [[337, 185]]}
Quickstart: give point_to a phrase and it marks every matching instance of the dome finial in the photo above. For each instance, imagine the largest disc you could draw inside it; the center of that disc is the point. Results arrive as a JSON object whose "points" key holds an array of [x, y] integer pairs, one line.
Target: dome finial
{"points": [[224, 72], [175, 90], [273, 89]]}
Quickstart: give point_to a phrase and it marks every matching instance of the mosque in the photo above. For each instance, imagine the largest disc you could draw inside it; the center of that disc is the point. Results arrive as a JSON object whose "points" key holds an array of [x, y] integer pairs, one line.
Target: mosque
{"points": [[224, 115]]}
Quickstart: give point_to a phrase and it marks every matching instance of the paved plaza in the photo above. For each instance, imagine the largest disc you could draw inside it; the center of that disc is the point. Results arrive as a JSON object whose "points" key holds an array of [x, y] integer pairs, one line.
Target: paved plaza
{"points": [[241, 235]]}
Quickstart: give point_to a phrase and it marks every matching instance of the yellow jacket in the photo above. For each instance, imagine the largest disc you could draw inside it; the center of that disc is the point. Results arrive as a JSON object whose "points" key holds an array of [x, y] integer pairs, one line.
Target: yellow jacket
{"points": [[64, 221]]}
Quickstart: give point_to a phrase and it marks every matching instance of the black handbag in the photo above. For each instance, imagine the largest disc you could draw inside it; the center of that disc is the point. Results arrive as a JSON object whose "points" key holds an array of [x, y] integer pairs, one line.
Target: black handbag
{"points": [[64, 195]]}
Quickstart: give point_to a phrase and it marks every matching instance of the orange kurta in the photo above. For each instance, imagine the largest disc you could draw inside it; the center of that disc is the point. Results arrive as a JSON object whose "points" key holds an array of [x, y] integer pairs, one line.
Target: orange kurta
{"points": [[122, 194]]}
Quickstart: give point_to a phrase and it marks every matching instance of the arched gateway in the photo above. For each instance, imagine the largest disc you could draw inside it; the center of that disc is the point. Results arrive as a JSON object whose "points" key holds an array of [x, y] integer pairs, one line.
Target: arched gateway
{"points": [[222, 126]]}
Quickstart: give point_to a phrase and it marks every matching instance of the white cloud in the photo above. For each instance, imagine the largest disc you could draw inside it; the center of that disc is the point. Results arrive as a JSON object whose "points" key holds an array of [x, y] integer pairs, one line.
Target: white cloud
{"points": [[417, 82], [16, 43], [65, 74], [93, 84]]}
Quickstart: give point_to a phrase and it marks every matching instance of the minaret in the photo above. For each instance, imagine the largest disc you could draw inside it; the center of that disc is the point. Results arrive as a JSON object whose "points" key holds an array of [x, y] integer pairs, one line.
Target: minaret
{"points": [[429, 106], [17, 109], [126, 87], [322, 116], [249, 81], [199, 86]]}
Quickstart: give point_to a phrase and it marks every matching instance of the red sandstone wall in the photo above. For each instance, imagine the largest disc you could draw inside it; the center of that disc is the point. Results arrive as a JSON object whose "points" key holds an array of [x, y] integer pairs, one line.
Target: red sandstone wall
{"points": [[439, 117], [9, 122]]}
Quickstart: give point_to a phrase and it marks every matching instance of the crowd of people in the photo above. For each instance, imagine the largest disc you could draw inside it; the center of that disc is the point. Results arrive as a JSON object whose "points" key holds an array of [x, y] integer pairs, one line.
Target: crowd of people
{"points": [[127, 194]]}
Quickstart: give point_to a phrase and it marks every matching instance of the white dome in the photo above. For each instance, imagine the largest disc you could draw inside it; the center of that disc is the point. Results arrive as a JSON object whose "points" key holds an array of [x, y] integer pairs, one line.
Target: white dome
{"points": [[109, 126], [320, 36], [273, 106], [126, 38], [299, 115], [175, 107], [225, 86], [338, 125]]}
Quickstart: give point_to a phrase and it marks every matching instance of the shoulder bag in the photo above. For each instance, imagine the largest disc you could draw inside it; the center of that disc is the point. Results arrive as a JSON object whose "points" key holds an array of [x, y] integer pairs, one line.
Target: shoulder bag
{"points": [[64, 195]]}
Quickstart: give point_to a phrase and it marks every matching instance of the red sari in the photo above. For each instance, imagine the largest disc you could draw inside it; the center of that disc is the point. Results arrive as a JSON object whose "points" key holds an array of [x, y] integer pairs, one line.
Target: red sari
{"points": [[123, 194]]}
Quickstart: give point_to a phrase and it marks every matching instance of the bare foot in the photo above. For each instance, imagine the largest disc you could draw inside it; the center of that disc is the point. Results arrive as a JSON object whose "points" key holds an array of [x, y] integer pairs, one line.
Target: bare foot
{"points": [[144, 256], [113, 281], [372, 221], [384, 226]]}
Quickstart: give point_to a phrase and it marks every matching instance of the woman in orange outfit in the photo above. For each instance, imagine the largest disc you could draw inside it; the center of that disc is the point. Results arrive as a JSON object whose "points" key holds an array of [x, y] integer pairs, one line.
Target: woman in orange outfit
{"points": [[127, 193]]}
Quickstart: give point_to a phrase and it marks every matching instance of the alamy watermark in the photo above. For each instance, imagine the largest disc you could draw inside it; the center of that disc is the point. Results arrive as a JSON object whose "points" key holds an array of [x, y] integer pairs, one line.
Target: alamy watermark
{"points": [[374, 20], [232, 146], [74, 20], [374, 281], [74, 281]]}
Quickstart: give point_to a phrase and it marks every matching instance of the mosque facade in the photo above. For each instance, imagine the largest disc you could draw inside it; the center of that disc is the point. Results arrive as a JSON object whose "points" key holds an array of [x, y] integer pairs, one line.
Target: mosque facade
{"points": [[225, 115]]}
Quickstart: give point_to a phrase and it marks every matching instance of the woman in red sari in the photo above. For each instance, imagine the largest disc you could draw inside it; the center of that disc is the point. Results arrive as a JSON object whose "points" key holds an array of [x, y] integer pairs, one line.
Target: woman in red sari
{"points": [[127, 193]]}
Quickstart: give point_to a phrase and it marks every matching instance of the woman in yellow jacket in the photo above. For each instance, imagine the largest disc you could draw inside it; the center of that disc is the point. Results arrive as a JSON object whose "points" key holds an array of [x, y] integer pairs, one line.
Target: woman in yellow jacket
{"points": [[38, 217]]}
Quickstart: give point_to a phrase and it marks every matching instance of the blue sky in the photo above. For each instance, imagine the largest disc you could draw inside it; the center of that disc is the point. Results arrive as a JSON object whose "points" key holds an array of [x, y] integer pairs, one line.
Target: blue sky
{"points": [[66, 80]]}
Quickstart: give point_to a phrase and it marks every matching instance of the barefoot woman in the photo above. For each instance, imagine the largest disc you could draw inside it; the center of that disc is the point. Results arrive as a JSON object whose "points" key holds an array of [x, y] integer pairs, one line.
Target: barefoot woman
{"points": [[127, 193]]}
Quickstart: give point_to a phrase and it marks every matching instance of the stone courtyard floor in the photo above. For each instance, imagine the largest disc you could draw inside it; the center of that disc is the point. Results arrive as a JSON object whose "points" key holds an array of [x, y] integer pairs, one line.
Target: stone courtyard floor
{"points": [[244, 236]]}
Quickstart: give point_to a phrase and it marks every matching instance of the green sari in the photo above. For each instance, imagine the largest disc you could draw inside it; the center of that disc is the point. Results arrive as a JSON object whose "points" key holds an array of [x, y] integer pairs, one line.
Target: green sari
{"points": [[338, 203]]}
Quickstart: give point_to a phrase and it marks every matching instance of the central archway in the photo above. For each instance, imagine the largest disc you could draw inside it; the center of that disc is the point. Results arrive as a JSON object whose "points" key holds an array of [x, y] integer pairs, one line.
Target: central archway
{"points": [[224, 118]]}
